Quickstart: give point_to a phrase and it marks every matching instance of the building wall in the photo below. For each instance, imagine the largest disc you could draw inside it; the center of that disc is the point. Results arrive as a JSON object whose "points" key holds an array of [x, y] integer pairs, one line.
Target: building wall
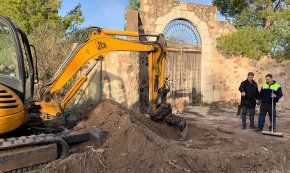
{"points": [[120, 78], [156, 14], [121, 70], [125, 75], [228, 72]]}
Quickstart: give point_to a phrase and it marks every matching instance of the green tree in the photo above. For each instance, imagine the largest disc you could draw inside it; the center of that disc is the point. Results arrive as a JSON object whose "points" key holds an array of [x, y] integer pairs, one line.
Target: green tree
{"points": [[230, 8], [263, 28], [46, 29], [34, 13], [133, 5], [73, 18]]}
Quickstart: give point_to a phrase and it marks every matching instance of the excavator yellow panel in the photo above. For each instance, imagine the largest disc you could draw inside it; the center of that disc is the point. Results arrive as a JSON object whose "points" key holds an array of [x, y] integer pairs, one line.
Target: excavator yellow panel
{"points": [[12, 114], [11, 122]]}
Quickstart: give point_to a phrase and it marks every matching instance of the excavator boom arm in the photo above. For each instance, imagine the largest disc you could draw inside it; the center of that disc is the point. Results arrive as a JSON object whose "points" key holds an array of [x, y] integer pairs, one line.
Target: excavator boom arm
{"points": [[99, 43]]}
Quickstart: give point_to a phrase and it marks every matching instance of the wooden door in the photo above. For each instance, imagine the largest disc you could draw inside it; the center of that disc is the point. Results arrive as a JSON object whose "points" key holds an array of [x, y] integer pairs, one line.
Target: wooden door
{"points": [[183, 70]]}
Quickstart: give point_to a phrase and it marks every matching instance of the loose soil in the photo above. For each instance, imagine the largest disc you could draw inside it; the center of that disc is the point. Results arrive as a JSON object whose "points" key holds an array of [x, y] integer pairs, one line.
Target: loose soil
{"points": [[215, 143]]}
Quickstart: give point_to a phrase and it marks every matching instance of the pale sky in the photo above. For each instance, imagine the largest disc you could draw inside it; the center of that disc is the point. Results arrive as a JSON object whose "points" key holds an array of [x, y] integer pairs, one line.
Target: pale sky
{"points": [[108, 13]]}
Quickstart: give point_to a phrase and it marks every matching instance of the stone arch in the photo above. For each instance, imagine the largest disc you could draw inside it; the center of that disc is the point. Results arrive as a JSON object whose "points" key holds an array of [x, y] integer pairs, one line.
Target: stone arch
{"points": [[206, 42]]}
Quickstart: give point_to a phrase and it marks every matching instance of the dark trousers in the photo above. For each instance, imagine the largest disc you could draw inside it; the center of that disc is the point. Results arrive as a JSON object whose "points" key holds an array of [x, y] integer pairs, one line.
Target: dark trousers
{"points": [[264, 109], [252, 112]]}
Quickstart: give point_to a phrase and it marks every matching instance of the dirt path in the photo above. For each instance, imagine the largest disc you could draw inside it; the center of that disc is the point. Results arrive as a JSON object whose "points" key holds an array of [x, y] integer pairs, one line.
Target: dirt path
{"points": [[225, 119], [215, 143]]}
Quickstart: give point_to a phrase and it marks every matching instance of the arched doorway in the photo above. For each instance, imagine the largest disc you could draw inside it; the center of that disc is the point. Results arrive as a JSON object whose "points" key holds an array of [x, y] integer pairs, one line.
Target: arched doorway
{"points": [[183, 64]]}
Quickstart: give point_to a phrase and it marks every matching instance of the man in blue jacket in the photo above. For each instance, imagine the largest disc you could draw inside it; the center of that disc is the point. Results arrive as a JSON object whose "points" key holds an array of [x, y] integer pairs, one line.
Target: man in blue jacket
{"points": [[271, 90]]}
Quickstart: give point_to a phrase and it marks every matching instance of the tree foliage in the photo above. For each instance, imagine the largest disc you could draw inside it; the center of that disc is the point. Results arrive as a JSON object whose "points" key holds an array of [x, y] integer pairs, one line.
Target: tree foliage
{"points": [[46, 29], [230, 8], [73, 19], [248, 41], [263, 28], [29, 15], [133, 5]]}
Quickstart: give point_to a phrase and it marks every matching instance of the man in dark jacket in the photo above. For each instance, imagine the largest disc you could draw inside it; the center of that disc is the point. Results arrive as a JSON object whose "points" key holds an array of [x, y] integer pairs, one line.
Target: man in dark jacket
{"points": [[271, 90], [249, 92]]}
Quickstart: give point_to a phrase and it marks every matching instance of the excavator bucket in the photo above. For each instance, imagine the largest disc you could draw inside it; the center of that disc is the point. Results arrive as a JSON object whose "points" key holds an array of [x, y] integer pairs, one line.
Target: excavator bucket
{"points": [[164, 113]]}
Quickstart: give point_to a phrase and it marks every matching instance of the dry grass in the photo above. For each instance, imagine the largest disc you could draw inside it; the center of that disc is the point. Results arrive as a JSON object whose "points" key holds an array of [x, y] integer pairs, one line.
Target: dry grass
{"points": [[52, 49]]}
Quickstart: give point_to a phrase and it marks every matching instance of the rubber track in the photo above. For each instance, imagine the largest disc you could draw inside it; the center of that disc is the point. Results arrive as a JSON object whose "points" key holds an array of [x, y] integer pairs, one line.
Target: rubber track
{"points": [[25, 141], [28, 169]]}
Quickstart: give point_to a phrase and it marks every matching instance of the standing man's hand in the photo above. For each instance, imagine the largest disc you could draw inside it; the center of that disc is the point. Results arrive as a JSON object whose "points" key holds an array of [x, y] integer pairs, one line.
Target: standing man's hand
{"points": [[273, 95], [243, 94]]}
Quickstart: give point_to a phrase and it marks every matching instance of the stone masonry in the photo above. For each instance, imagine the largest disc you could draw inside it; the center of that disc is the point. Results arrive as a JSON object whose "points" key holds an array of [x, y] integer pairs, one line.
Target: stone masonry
{"points": [[125, 75], [156, 14]]}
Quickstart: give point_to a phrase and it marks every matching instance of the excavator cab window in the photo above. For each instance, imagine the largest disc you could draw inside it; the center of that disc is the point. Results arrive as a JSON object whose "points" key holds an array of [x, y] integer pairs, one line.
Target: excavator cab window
{"points": [[9, 65], [16, 66], [28, 66]]}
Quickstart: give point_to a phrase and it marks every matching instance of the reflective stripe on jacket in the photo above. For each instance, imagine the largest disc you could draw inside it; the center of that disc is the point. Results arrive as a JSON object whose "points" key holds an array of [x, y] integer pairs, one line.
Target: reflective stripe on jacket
{"points": [[266, 92]]}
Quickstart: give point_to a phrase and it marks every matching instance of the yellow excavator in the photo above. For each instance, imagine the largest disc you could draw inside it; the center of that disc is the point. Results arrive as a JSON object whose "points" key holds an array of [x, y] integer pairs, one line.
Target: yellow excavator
{"points": [[19, 74]]}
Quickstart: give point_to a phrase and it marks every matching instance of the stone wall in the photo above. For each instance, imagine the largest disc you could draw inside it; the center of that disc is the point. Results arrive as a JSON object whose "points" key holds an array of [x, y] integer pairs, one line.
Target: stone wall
{"points": [[120, 78], [156, 14], [229, 72], [125, 75], [220, 76], [121, 71]]}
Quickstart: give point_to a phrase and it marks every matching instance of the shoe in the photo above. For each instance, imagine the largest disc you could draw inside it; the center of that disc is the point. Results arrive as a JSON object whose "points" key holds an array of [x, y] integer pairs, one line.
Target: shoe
{"points": [[258, 129], [244, 127], [270, 129], [253, 127]]}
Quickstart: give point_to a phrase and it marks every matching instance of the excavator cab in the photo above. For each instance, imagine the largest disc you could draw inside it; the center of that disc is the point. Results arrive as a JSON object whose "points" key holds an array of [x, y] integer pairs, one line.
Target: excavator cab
{"points": [[17, 75]]}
